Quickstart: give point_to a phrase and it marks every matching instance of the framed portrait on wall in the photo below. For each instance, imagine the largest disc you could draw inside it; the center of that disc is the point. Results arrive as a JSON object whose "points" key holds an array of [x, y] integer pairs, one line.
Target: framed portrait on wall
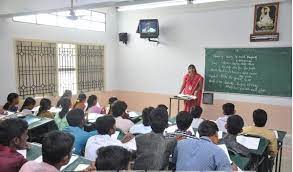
{"points": [[266, 18]]}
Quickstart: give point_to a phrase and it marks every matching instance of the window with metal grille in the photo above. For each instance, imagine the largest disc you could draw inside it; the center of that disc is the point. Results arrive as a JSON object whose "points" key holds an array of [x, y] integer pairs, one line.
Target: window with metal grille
{"points": [[90, 67], [36, 68], [67, 68], [50, 68]]}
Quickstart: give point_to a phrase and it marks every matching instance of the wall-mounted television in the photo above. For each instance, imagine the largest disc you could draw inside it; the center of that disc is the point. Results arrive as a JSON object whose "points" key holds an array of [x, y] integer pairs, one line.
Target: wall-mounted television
{"points": [[148, 28]]}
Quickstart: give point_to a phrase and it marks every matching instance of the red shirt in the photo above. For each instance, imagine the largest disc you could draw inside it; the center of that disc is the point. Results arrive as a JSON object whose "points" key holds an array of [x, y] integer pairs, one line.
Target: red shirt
{"points": [[10, 159]]}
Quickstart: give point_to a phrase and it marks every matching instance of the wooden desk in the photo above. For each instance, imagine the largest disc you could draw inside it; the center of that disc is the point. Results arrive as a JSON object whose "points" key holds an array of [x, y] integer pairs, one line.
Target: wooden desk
{"points": [[35, 151], [178, 103], [39, 128]]}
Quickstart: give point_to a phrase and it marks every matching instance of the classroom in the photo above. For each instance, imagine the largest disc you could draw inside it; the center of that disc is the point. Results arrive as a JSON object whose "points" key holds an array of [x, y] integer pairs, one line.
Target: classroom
{"points": [[95, 85]]}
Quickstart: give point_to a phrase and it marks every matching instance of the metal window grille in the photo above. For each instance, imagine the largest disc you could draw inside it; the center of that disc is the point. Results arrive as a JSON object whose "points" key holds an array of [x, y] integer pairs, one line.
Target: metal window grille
{"points": [[67, 68], [36, 68], [90, 60], [47, 68]]}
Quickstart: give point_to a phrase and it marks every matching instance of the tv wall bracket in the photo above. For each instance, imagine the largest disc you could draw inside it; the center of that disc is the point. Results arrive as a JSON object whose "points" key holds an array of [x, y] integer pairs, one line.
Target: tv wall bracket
{"points": [[154, 40]]}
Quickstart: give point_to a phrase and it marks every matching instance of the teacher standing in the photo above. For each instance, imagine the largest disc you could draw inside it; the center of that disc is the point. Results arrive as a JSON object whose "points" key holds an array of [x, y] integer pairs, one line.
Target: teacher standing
{"points": [[192, 85]]}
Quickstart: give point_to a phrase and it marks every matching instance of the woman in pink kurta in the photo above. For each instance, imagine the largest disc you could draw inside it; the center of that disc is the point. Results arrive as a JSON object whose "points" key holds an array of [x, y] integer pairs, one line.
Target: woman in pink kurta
{"points": [[192, 85]]}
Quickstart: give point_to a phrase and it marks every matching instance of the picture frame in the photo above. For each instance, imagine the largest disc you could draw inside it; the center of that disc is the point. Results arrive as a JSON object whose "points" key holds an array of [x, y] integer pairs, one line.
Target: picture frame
{"points": [[266, 19]]}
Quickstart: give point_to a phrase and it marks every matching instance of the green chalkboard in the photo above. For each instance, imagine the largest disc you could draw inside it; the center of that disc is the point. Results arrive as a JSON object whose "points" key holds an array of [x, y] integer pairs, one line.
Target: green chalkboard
{"points": [[258, 71]]}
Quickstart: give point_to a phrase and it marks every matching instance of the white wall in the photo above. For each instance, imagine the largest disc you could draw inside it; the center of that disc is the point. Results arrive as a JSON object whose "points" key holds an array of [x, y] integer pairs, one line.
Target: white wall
{"points": [[184, 33], [11, 31]]}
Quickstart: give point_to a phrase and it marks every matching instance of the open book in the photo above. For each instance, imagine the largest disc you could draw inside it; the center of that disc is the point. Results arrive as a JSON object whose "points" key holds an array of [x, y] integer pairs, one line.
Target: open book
{"points": [[187, 97]]}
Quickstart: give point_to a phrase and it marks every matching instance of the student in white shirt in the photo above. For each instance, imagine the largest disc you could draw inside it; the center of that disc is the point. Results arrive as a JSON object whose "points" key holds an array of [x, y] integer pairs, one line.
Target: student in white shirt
{"points": [[145, 127], [106, 127], [123, 122], [196, 114], [228, 110]]}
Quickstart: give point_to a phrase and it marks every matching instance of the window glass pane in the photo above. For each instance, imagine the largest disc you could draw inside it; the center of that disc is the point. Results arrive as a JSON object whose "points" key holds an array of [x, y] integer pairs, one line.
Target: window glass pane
{"points": [[64, 22], [99, 17], [67, 81], [27, 19], [67, 76], [87, 20], [46, 19], [63, 13], [96, 26], [83, 24]]}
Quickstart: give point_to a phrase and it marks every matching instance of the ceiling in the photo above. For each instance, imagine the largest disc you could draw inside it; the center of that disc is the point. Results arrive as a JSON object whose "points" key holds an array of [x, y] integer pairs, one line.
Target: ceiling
{"points": [[9, 8]]}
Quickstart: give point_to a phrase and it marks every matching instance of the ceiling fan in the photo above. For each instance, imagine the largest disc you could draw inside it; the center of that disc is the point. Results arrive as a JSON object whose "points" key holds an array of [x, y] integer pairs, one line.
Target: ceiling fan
{"points": [[72, 15]]}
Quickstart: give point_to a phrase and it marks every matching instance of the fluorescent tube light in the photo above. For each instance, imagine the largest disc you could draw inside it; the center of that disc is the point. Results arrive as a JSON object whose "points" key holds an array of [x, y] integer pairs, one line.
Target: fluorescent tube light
{"points": [[152, 5]]}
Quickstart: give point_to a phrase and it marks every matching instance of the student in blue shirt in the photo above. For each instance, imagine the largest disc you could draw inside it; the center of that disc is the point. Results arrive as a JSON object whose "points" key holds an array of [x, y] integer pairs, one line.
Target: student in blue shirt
{"points": [[75, 119], [201, 154]]}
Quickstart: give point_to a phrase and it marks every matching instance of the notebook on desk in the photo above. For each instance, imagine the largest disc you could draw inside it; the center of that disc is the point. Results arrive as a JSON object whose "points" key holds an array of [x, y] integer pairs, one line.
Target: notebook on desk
{"points": [[249, 142], [31, 119]]}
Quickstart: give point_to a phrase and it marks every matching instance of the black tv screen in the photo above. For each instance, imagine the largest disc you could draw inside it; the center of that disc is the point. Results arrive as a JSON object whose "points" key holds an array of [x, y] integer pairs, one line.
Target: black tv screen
{"points": [[149, 28]]}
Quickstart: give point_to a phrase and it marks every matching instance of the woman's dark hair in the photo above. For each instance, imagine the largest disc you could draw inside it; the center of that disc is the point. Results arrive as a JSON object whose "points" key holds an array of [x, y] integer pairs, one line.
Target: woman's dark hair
{"points": [[65, 104], [27, 102], [112, 100], [56, 145], [191, 66], [11, 128], [81, 97], [91, 100], [196, 112], [45, 104], [112, 158], [146, 115], [10, 98], [67, 93]]}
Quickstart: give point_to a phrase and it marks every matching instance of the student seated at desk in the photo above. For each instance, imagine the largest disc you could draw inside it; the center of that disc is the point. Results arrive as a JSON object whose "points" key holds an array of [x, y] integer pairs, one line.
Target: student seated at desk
{"points": [[12, 102], [45, 106], [56, 152], [75, 119], [80, 102], [60, 117], [228, 110], [28, 104], [260, 120], [105, 126], [201, 154], [183, 122], [234, 127], [107, 109], [145, 126], [153, 149], [66, 94], [196, 114], [119, 112], [92, 105], [13, 136], [113, 158]]}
